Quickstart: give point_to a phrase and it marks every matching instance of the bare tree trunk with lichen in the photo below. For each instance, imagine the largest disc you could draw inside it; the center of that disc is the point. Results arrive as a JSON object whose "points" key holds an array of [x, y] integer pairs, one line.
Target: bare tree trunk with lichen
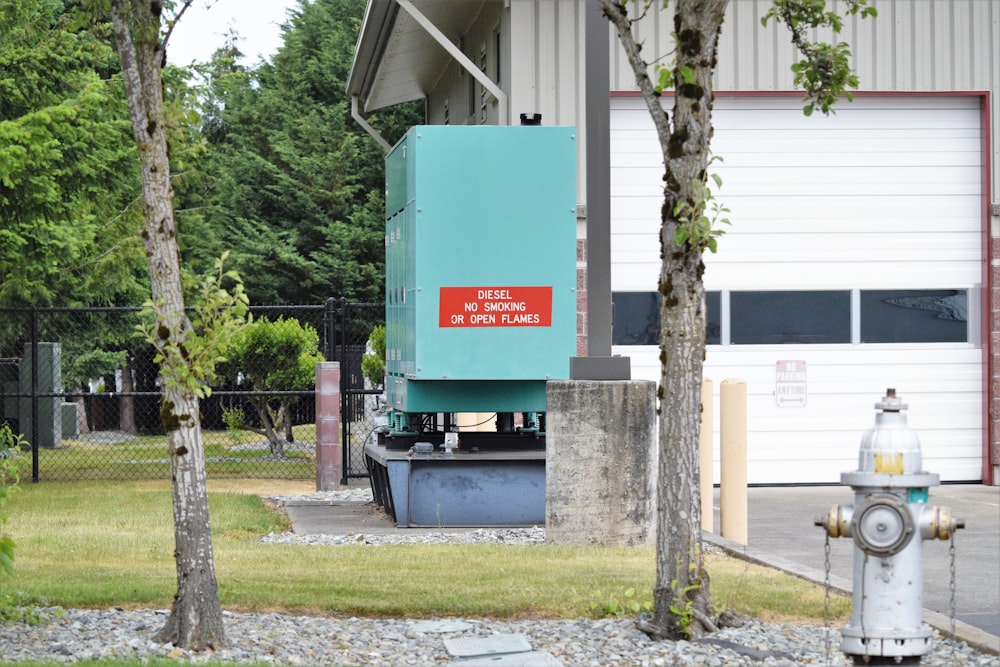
{"points": [[195, 619], [682, 600]]}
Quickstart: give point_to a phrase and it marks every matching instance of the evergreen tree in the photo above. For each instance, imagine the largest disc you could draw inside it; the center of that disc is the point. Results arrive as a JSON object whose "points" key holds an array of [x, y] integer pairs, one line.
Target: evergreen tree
{"points": [[291, 183], [68, 184]]}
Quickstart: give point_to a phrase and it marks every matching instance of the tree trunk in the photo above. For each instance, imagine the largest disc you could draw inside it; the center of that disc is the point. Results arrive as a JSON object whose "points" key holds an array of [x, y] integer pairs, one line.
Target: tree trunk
{"points": [[682, 599], [195, 620], [82, 425], [126, 417], [286, 407], [270, 426]]}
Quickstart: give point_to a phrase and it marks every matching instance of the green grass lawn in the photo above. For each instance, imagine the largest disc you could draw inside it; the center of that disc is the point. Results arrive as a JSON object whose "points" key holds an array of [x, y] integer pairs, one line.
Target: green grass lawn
{"points": [[96, 544], [232, 453]]}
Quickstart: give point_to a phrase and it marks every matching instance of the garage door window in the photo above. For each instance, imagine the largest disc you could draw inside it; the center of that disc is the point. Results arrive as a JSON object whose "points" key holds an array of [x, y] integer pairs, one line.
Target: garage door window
{"points": [[914, 316], [767, 318], [637, 318], [808, 317]]}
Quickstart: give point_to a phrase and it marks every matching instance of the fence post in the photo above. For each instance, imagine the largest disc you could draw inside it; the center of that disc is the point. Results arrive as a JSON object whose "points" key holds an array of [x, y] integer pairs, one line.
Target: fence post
{"points": [[330, 323], [345, 396], [34, 396], [328, 442]]}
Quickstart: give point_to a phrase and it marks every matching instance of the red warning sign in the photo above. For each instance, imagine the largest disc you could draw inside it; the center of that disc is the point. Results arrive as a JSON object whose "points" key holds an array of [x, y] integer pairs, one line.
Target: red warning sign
{"points": [[496, 307]]}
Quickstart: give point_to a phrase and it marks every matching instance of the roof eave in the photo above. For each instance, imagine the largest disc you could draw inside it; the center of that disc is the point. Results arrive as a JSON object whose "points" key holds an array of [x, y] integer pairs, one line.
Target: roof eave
{"points": [[380, 16]]}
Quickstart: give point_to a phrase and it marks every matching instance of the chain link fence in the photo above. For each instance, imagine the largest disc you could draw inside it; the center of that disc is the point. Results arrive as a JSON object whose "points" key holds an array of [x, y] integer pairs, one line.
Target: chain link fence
{"points": [[81, 389], [362, 403]]}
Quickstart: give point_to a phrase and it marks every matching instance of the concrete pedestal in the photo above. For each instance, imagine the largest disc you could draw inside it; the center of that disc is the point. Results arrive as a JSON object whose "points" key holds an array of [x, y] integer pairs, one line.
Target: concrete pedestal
{"points": [[601, 463]]}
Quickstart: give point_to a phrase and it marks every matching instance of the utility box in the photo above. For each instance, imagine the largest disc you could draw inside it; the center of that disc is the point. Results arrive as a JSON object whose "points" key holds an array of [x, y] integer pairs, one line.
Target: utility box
{"points": [[480, 240]]}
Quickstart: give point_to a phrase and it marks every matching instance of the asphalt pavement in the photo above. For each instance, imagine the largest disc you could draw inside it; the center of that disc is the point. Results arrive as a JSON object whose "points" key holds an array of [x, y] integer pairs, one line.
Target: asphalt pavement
{"points": [[781, 534]]}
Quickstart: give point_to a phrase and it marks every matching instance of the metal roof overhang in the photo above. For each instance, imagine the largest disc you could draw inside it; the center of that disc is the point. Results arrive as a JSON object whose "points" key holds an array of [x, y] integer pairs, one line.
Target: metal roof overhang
{"points": [[398, 58]]}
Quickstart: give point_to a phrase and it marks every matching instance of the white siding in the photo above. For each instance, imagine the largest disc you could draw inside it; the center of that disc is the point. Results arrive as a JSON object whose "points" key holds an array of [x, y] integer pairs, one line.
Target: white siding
{"points": [[547, 55], [886, 194], [912, 46]]}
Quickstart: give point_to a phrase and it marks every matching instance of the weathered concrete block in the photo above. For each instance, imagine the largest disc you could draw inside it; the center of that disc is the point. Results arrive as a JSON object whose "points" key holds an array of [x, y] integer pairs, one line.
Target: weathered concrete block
{"points": [[600, 463]]}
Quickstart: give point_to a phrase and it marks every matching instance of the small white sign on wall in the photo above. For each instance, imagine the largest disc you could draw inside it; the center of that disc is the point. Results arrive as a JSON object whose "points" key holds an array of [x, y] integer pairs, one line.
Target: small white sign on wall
{"points": [[790, 384]]}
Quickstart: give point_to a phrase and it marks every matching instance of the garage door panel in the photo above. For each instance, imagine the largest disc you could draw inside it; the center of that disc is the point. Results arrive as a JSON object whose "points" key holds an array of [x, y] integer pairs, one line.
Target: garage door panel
{"points": [[885, 194], [941, 384], [873, 242], [813, 275], [861, 115], [959, 212], [822, 183], [739, 148], [628, 223]]}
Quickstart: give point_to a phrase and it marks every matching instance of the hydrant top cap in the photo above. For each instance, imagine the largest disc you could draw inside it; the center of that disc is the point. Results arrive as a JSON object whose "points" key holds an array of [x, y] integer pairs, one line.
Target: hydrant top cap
{"points": [[890, 402]]}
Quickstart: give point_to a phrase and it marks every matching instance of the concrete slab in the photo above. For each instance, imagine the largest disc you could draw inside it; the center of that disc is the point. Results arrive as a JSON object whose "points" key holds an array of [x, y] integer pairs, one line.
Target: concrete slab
{"points": [[349, 518], [446, 625], [530, 659], [478, 647], [338, 518]]}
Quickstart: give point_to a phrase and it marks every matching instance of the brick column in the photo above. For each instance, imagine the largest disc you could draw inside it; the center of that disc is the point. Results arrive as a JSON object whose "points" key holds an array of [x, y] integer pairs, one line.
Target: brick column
{"points": [[328, 446]]}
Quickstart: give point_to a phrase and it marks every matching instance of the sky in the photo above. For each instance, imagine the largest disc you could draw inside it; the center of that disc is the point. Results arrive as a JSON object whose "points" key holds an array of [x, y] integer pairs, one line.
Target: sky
{"points": [[204, 25]]}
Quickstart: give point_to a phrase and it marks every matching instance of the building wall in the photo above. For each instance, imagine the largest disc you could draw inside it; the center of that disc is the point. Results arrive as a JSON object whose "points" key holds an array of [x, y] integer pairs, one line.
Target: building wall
{"points": [[912, 46], [936, 46], [930, 46]]}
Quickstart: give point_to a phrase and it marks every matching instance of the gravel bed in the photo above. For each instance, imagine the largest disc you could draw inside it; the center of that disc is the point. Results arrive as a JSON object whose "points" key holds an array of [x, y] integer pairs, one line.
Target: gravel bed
{"points": [[77, 635]]}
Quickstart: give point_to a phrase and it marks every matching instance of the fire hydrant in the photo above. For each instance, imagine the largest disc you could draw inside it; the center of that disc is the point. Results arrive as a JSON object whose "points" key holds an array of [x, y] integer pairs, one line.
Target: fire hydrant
{"points": [[890, 509]]}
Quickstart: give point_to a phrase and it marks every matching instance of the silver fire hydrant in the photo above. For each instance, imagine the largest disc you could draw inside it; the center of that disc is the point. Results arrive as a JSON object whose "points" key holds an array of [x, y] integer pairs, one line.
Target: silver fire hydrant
{"points": [[890, 509]]}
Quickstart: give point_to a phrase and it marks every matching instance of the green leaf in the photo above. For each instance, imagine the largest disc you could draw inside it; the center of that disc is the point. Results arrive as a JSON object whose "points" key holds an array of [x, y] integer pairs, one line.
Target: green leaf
{"points": [[7, 554]]}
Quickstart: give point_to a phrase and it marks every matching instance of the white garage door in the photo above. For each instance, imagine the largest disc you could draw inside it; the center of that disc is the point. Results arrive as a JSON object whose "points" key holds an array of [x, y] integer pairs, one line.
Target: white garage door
{"points": [[853, 264]]}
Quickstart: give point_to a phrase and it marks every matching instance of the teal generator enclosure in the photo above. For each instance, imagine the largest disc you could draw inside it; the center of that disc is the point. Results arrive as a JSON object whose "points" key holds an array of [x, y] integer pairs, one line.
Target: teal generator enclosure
{"points": [[481, 305]]}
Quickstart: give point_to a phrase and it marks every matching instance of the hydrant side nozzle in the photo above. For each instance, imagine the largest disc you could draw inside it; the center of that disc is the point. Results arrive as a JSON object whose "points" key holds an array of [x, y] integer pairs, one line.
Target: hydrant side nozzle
{"points": [[837, 521], [936, 523]]}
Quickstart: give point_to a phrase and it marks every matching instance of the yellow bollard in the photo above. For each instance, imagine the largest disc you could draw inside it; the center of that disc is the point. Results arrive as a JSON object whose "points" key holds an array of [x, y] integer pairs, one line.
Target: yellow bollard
{"points": [[733, 452], [705, 455]]}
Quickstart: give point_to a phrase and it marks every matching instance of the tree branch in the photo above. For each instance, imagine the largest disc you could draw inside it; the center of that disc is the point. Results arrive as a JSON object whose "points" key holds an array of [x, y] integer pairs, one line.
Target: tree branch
{"points": [[120, 13], [170, 28], [618, 15]]}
